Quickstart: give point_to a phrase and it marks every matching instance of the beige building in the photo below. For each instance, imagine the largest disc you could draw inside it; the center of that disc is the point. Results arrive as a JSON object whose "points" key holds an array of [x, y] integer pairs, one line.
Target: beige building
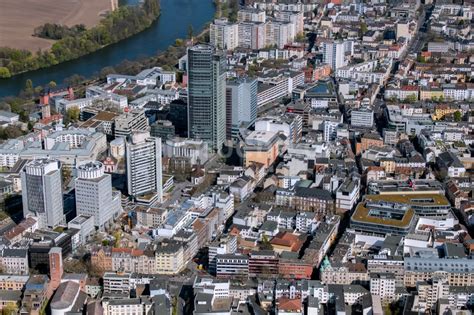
{"points": [[261, 147], [169, 258], [13, 282], [346, 274], [151, 217], [388, 165]]}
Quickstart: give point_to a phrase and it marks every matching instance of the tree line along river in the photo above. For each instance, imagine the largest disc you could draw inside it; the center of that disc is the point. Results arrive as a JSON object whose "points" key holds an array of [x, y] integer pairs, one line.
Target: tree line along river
{"points": [[173, 23]]}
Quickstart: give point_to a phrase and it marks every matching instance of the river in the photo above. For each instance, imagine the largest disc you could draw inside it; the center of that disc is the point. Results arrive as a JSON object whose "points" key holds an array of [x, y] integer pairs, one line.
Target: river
{"points": [[173, 23]]}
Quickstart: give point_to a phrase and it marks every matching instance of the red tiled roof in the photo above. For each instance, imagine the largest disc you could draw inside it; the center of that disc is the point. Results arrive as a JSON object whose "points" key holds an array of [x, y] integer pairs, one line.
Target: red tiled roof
{"points": [[289, 304]]}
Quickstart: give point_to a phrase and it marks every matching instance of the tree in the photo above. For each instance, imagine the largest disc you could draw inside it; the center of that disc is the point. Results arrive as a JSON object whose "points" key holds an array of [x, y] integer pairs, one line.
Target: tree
{"points": [[234, 9], [300, 38], [104, 72], [75, 79], [52, 84], [363, 28], [5, 106], [266, 245], [4, 73], [28, 91], [38, 89], [118, 237], [72, 114], [410, 98], [152, 7], [67, 175], [457, 116], [12, 132], [10, 309], [76, 41], [29, 85]]}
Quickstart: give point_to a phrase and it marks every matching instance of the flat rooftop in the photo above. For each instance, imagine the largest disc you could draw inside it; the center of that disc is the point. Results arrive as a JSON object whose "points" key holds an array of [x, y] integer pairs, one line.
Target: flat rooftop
{"points": [[421, 199], [361, 215]]}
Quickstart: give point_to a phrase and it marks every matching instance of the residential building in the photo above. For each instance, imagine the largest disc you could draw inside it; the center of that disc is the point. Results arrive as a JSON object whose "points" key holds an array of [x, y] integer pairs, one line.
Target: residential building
{"points": [[170, 257], [347, 195], [224, 35], [144, 167], [334, 54], [251, 15], [128, 306], [306, 199], [383, 285], [252, 35], [13, 282], [117, 282], [451, 164], [14, 261]]}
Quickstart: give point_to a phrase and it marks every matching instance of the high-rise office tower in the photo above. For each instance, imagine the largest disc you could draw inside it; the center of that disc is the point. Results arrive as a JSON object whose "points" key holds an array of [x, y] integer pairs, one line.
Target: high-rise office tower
{"points": [[241, 104], [94, 196], [42, 192], [144, 170], [206, 95]]}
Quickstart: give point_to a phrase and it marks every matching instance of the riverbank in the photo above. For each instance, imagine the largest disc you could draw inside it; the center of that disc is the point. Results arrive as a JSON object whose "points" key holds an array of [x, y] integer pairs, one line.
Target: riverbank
{"points": [[152, 41], [35, 13], [24, 104], [118, 25]]}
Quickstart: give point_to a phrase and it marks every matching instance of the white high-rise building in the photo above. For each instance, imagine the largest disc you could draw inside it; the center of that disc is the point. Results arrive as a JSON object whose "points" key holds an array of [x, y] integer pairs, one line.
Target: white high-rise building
{"points": [[42, 192], [251, 15], [224, 35], [252, 35], [94, 196], [295, 18], [144, 169], [333, 54], [279, 33]]}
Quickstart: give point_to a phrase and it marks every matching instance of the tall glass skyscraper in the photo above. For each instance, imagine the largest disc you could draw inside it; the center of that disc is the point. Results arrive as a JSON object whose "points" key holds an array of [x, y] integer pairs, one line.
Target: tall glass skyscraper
{"points": [[206, 95]]}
